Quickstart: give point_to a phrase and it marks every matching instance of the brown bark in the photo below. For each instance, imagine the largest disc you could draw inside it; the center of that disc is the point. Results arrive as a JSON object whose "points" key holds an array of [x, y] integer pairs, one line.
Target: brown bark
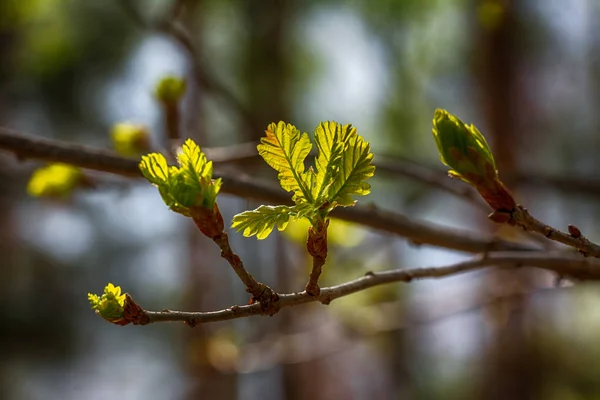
{"points": [[510, 360]]}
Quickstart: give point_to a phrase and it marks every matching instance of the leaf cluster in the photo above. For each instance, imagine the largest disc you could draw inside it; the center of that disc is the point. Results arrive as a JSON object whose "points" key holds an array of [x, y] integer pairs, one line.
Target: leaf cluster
{"points": [[341, 168], [188, 185], [110, 304]]}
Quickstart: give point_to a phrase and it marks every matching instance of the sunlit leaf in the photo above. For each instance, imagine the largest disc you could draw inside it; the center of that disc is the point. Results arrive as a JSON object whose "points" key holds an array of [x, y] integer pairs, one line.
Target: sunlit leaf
{"points": [[260, 222], [285, 149], [330, 139], [354, 169], [194, 165], [189, 184], [110, 304], [154, 167]]}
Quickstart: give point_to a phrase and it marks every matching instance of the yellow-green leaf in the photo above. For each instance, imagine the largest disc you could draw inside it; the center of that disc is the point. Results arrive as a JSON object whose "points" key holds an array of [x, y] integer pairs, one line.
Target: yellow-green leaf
{"points": [[260, 222], [330, 139], [194, 165], [110, 304], [285, 149], [188, 185], [355, 168], [154, 167]]}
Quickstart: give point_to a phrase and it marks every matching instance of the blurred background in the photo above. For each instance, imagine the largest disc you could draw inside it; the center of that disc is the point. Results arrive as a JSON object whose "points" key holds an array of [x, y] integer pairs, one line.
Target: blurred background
{"points": [[526, 72]]}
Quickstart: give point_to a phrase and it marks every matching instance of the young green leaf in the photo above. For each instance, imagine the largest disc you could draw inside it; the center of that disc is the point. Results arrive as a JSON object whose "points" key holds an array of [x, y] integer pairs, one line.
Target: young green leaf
{"points": [[355, 168], [330, 138], [196, 169], [284, 148], [260, 222], [155, 169], [110, 304], [188, 185]]}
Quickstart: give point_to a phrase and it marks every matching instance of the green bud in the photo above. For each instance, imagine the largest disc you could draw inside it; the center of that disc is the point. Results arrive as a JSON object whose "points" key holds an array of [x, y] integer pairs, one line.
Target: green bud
{"points": [[463, 148], [170, 89], [110, 305]]}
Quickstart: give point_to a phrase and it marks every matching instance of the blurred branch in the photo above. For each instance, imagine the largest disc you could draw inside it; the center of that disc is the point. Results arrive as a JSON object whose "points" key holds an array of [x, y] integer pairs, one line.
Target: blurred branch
{"points": [[30, 147], [319, 343], [430, 176], [203, 75], [566, 266]]}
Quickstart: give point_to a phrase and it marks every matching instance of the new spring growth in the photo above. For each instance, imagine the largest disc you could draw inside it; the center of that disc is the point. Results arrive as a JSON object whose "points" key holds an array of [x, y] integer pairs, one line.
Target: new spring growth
{"points": [[186, 186], [110, 305], [170, 89], [54, 180], [464, 149], [130, 139]]}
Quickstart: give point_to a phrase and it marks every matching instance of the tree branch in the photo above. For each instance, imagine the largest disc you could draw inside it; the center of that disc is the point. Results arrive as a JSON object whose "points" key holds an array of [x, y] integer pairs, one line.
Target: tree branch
{"points": [[31, 147], [521, 217], [564, 265]]}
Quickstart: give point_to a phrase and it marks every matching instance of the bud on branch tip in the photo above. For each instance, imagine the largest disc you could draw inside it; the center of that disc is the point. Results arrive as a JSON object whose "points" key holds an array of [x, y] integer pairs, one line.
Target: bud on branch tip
{"points": [[110, 305], [464, 149]]}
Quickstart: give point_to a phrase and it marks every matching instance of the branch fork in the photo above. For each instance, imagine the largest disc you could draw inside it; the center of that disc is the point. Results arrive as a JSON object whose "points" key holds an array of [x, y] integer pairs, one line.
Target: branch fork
{"points": [[210, 223]]}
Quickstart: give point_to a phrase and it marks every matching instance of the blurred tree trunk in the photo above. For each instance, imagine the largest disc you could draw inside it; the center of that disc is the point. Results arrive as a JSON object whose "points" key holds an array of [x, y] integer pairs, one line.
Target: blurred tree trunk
{"points": [[511, 364], [265, 63], [207, 286], [266, 78]]}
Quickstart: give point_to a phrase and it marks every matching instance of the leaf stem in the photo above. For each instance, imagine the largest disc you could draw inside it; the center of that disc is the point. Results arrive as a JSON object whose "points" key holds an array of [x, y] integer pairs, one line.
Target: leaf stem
{"points": [[317, 248]]}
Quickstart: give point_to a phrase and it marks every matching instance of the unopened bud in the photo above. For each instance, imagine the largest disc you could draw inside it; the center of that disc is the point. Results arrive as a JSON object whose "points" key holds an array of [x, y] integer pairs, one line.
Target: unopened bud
{"points": [[130, 139], [170, 89], [464, 149]]}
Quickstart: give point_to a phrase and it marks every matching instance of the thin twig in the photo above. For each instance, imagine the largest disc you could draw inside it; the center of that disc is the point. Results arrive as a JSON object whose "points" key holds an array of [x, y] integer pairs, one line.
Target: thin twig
{"points": [[31, 147], [565, 265], [204, 77], [521, 217]]}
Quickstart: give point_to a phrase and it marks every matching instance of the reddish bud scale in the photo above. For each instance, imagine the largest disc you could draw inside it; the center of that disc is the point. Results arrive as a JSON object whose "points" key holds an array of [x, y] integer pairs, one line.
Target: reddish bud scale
{"points": [[574, 231], [497, 195], [210, 222], [500, 217], [317, 241]]}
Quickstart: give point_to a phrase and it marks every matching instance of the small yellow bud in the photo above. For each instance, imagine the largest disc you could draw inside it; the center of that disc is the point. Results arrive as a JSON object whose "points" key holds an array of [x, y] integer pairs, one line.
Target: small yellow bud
{"points": [[130, 139], [170, 89]]}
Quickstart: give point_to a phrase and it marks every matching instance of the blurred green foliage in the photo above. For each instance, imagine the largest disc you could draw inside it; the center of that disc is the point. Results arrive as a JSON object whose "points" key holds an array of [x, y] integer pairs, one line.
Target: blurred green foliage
{"points": [[54, 180]]}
